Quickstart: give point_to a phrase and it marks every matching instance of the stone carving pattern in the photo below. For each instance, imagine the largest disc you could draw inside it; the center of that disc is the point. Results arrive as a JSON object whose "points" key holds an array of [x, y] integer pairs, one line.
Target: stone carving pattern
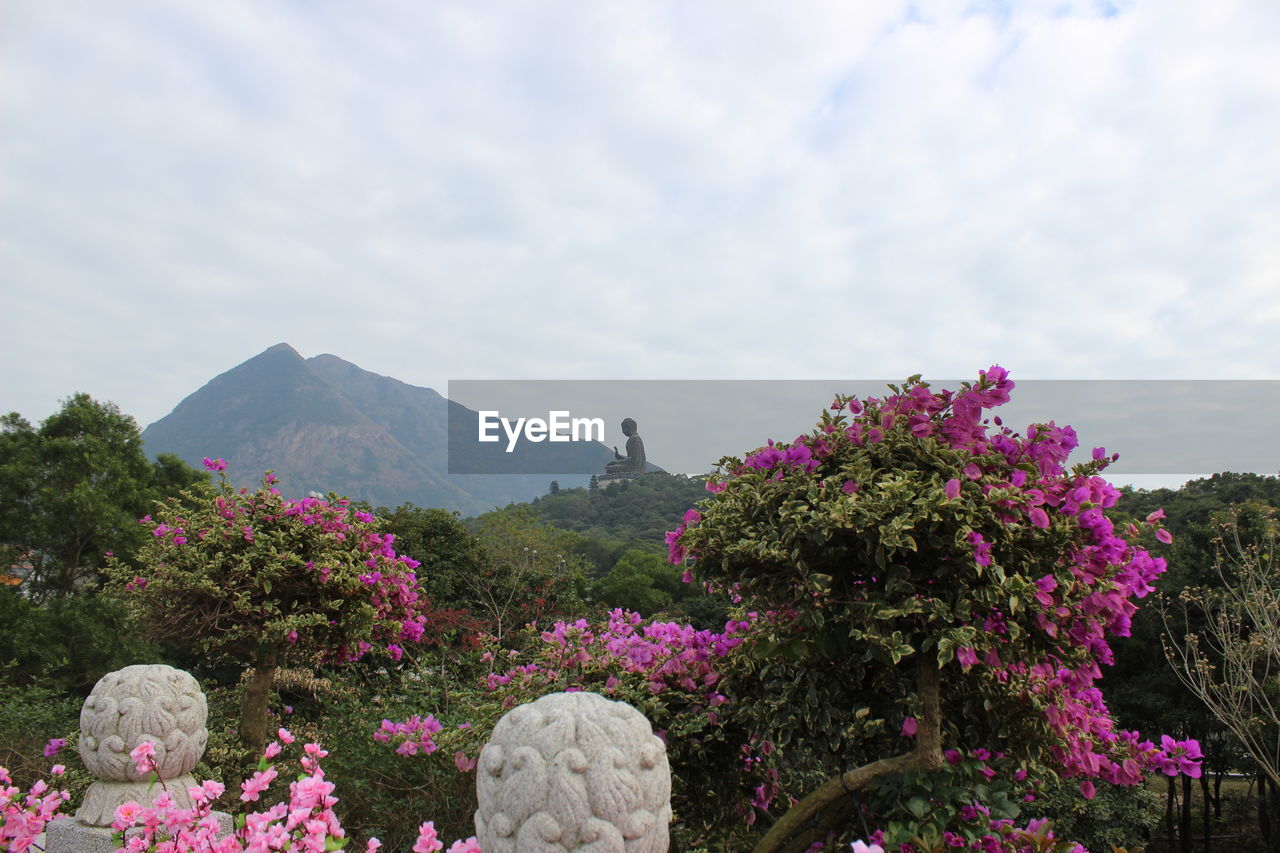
{"points": [[146, 702], [154, 703], [573, 772]]}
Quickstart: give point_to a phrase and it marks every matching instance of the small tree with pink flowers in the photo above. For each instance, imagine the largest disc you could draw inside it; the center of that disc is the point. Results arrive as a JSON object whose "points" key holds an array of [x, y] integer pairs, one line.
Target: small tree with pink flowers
{"points": [[959, 577], [257, 578]]}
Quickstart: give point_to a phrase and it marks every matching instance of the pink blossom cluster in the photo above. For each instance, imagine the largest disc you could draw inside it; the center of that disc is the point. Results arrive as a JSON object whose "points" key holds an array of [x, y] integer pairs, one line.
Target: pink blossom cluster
{"points": [[23, 816], [1088, 596], [668, 654], [1001, 836], [393, 585], [412, 736], [306, 822]]}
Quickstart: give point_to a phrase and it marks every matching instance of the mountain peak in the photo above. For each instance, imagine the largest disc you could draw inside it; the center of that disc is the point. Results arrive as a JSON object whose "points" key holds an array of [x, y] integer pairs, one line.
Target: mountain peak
{"points": [[280, 348], [326, 424]]}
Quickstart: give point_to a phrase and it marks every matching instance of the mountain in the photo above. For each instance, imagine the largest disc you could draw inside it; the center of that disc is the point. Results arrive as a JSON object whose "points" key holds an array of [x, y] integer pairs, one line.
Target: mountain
{"points": [[323, 424]]}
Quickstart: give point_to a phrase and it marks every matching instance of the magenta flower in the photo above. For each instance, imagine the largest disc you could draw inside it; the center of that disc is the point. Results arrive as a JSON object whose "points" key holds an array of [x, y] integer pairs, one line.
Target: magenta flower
{"points": [[953, 489], [54, 746], [909, 727], [981, 548]]}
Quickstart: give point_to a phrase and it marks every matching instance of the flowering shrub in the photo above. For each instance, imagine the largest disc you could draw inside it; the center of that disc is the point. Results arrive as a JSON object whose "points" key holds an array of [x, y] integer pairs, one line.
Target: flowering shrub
{"points": [[907, 538], [673, 673], [256, 577], [305, 822], [23, 816]]}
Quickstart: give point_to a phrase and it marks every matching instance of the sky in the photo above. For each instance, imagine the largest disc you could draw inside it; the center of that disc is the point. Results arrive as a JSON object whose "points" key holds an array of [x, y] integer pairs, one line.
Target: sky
{"points": [[726, 189]]}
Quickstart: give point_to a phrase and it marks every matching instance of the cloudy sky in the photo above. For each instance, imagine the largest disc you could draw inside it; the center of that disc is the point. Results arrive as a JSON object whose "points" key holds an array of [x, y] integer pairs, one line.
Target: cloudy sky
{"points": [[602, 190]]}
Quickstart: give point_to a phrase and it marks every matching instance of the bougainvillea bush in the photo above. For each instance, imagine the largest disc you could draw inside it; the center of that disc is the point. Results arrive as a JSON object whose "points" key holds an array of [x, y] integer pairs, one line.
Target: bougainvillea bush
{"points": [[952, 584], [672, 673], [257, 578]]}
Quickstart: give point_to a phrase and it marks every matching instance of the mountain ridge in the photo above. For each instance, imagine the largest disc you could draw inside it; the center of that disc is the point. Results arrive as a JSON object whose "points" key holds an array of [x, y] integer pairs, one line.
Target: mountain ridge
{"points": [[324, 424]]}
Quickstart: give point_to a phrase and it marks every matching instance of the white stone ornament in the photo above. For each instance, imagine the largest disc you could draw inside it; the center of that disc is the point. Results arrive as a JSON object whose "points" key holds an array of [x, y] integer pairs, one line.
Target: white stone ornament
{"points": [[154, 703], [573, 772]]}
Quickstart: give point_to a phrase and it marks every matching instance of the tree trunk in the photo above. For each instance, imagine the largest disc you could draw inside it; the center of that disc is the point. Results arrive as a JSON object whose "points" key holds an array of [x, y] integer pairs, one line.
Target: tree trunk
{"points": [[804, 823], [1264, 816], [253, 707], [1217, 794], [1171, 796], [1205, 814], [1184, 828]]}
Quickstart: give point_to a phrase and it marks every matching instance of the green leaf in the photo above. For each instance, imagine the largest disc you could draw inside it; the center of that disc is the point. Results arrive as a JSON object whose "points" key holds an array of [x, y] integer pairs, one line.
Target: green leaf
{"points": [[918, 806]]}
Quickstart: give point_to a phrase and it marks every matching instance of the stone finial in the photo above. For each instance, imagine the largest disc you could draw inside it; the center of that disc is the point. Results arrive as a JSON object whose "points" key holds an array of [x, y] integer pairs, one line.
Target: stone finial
{"points": [[573, 772], [154, 703]]}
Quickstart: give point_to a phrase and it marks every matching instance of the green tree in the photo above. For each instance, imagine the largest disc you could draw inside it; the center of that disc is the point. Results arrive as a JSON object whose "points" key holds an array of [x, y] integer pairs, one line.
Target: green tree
{"points": [[641, 581], [72, 490], [1152, 698], [899, 545], [263, 581], [1223, 640], [533, 571]]}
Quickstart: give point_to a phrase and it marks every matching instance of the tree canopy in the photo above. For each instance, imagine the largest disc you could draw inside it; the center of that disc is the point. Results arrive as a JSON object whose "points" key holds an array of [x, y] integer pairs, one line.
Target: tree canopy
{"points": [[909, 540], [72, 490]]}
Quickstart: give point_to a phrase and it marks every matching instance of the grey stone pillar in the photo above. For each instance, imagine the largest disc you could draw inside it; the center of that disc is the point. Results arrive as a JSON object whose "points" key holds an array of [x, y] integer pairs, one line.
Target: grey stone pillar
{"points": [[573, 772], [154, 703]]}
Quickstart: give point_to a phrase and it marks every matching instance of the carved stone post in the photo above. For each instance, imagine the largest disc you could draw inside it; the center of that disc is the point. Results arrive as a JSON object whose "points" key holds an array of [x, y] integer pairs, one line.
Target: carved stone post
{"points": [[154, 703], [573, 772]]}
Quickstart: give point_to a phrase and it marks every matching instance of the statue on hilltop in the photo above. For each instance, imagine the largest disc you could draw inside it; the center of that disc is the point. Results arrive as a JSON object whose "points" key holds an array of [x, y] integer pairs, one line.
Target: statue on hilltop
{"points": [[631, 465]]}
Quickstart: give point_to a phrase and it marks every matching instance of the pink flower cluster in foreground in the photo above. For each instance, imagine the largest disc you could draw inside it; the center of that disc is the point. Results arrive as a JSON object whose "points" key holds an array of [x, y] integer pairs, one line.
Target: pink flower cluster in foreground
{"points": [[23, 817], [305, 823]]}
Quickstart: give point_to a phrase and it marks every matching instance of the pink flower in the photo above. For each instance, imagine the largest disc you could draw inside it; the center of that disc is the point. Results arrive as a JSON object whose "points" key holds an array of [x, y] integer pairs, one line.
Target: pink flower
{"points": [[863, 847], [256, 785], [215, 465], [909, 727], [427, 840], [953, 489], [54, 746], [471, 845], [144, 755], [284, 735], [1087, 789], [1164, 536], [125, 813], [1153, 517]]}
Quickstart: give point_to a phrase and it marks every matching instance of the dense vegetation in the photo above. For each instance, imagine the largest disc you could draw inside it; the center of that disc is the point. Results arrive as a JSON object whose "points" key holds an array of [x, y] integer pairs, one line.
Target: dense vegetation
{"points": [[764, 721]]}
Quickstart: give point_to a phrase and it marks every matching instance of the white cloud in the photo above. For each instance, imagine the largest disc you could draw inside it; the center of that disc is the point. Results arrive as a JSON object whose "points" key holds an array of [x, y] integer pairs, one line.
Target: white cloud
{"points": [[446, 190]]}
